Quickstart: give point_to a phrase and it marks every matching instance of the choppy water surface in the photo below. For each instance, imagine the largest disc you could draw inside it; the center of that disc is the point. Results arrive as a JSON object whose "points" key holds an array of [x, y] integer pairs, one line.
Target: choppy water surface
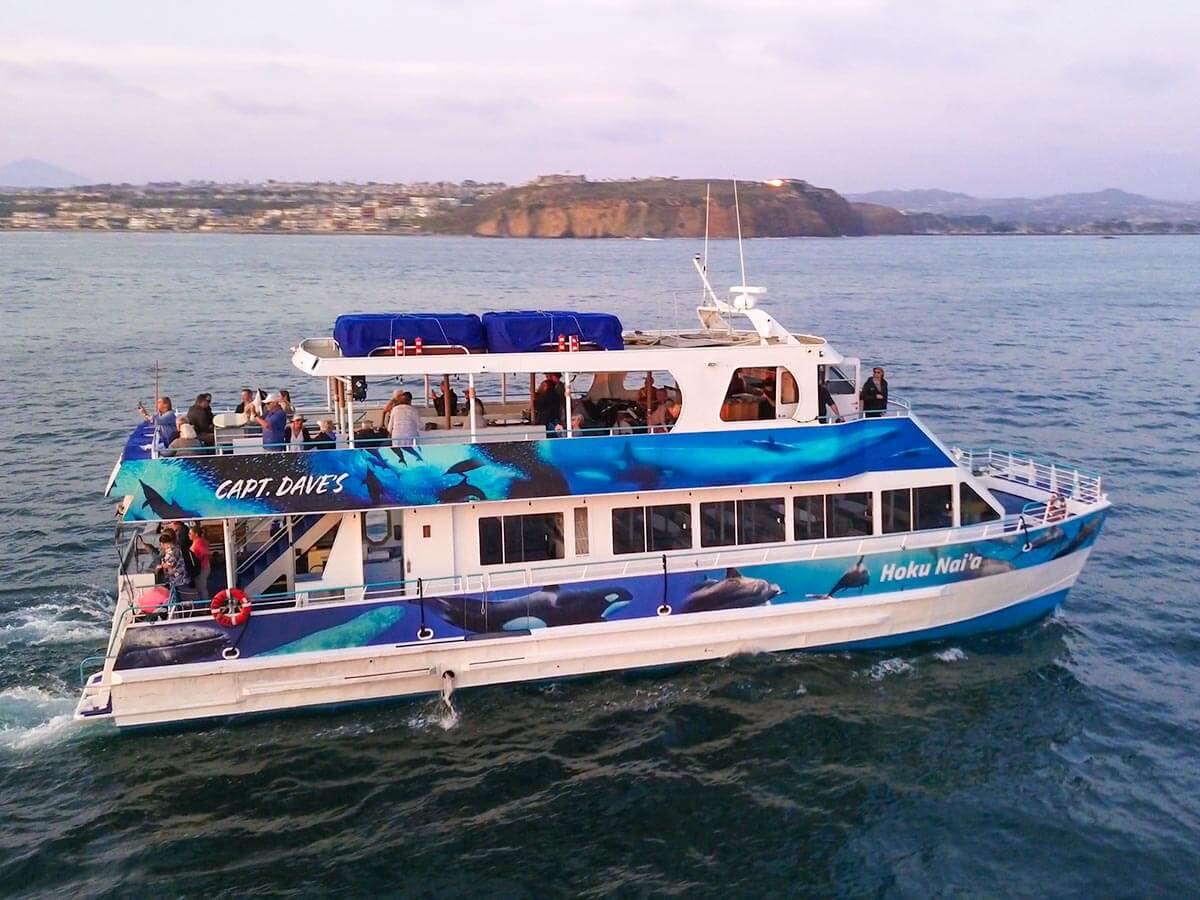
{"points": [[1057, 760]]}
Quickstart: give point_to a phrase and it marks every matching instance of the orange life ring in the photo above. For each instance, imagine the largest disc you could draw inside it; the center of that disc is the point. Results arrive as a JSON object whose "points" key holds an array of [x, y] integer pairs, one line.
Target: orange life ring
{"points": [[220, 605]]}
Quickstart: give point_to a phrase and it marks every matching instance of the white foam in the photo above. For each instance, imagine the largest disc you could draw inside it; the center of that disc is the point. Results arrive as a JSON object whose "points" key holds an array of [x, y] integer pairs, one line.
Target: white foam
{"points": [[888, 667], [54, 624], [31, 716], [950, 654]]}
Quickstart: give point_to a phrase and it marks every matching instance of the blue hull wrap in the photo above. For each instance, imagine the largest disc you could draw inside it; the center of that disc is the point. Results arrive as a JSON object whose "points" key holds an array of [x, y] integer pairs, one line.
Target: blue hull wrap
{"points": [[341, 480], [521, 610]]}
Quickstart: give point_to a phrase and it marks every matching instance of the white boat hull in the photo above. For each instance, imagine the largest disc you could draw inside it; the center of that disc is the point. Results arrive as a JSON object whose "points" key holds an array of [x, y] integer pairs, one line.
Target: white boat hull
{"points": [[182, 693]]}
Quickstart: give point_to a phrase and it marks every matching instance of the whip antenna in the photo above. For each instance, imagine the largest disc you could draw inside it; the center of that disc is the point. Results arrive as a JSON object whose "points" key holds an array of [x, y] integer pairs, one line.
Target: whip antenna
{"points": [[737, 211]]}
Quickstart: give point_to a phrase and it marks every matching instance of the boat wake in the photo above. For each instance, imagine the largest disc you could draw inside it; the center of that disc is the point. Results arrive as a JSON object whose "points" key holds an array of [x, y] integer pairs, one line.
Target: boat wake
{"points": [[32, 717], [60, 618]]}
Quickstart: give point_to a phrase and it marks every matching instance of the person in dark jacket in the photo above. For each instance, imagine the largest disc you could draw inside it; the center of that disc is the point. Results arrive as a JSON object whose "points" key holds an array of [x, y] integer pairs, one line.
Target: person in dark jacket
{"points": [[874, 394], [201, 418], [825, 402], [550, 404]]}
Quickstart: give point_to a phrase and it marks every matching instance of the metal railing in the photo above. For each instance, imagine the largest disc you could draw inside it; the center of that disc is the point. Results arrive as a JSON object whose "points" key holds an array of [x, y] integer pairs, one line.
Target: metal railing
{"points": [[523, 431], [1036, 514], [1019, 468]]}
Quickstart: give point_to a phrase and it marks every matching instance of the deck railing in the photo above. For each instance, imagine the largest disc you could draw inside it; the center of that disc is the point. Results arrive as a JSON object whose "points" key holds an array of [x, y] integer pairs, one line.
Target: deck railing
{"points": [[522, 431], [1063, 480]]}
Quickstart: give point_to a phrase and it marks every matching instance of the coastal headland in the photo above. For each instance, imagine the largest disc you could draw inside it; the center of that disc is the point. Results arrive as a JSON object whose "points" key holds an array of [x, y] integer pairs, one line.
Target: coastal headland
{"points": [[665, 208]]}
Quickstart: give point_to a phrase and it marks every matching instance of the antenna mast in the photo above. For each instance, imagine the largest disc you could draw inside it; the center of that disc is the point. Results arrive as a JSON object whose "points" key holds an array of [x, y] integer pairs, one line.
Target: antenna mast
{"points": [[737, 211], [707, 201]]}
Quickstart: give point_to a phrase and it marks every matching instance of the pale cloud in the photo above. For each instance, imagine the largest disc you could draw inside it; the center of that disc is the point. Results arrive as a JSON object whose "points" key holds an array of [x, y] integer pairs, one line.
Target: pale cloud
{"points": [[991, 97]]}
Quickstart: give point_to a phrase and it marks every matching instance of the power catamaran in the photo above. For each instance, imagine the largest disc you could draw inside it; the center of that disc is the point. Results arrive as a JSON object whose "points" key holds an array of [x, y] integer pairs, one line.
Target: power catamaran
{"points": [[498, 547]]}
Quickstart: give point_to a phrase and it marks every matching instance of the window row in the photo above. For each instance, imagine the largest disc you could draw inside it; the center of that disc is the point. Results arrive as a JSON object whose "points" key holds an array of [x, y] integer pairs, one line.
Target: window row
{"points": [[724, 523]]}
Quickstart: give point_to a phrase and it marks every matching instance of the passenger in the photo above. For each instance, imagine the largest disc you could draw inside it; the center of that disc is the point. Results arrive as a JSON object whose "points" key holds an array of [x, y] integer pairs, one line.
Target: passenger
{"points": [[203, 554], [766, 397], [171, 566], [165, 426], [647, 393], [825, 402], [251, 404], [201, 417], [326, 438], [659, 417], [404, 422], [874, 394], [187, 444], [439, 402], [480, 411], [549, 404], [274, 425], [285, 402], [298, 437], [624, 424], [578, 425]]}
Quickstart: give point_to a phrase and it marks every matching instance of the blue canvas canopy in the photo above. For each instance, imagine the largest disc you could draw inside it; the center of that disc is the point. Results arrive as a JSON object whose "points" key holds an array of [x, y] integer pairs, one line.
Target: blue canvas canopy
{"points": [[361, 333], [530, 330]]}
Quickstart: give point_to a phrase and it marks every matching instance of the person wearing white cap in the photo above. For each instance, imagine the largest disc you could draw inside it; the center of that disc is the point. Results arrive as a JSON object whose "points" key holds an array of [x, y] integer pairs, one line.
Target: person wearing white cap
{"points": [[274, 425]]}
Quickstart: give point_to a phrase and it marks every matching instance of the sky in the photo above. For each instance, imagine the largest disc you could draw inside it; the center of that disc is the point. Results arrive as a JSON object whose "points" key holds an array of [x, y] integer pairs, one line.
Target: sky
{"points": [[987, 97]]}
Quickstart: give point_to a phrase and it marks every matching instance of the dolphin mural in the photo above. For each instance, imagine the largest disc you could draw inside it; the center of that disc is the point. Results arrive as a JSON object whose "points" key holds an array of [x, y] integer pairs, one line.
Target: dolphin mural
{"points": [[734, 591]]}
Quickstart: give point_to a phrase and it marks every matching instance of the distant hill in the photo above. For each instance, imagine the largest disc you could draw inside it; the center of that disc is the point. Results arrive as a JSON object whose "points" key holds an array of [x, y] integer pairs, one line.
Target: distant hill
{"points": [[665, 207], [33, 173], [1109, 205]]}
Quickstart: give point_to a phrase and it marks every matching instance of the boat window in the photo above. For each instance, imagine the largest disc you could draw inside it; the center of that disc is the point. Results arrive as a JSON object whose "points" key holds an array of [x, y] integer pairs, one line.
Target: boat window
{"points": [[973, 509], [629, 529], [836, 380], [637, 529], [630, 402], [376, 529], [514, 539], [896, 507], [848, 515], [761, 521], [718, 523], [753, 394], [932, 507], [491, 541], [669, 527], [808, 514], [789, 392], [581, 531]]}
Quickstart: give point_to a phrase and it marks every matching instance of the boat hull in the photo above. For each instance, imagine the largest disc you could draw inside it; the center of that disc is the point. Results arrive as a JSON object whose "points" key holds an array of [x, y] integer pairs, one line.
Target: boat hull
{"points": [[181, 692]]}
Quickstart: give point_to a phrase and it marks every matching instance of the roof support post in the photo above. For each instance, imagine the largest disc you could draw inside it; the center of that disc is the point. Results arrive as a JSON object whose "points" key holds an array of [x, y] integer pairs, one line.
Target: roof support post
{"points": [[446, 401], [230, 554], [471, 403]]}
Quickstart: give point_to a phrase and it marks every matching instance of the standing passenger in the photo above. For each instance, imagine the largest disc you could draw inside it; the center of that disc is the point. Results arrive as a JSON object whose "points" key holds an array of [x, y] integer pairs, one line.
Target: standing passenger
{"points": [[274, 426], [874, 394], [203, 554], [404, 422]]}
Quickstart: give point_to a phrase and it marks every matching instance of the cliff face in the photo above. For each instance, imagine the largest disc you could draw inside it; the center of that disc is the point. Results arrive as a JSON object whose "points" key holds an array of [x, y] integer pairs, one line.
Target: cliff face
{"points": [[669, 208]]}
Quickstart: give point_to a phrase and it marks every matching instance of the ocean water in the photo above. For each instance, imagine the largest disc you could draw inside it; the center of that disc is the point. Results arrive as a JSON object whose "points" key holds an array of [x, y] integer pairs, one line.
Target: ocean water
{"points": [[1062, 759]]}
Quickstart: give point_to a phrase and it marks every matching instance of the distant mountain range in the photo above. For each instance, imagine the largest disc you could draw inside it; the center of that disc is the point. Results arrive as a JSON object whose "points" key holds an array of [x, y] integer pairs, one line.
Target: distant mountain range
{"points": [[33, 173], [1109, 205]]}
